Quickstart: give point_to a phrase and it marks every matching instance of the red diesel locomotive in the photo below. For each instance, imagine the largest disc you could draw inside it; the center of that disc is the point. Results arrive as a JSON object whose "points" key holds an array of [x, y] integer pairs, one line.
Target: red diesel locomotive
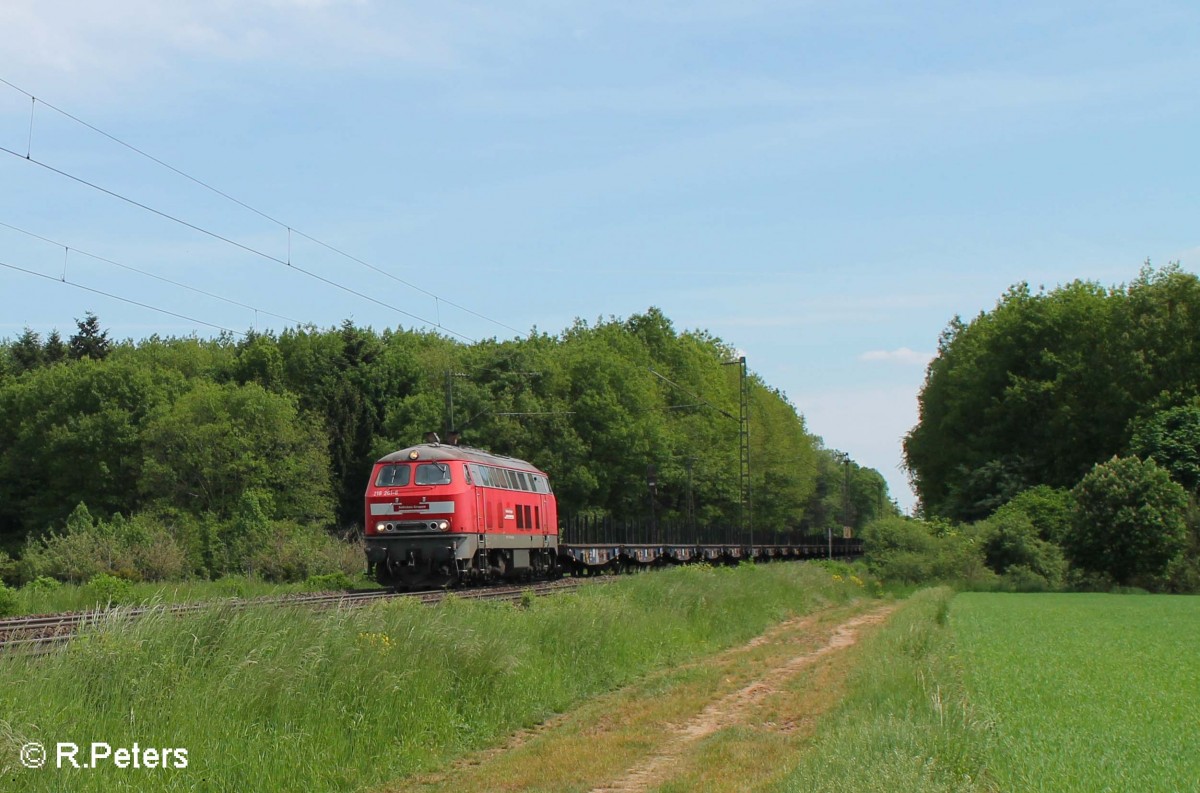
{"points": [[439, 514]]}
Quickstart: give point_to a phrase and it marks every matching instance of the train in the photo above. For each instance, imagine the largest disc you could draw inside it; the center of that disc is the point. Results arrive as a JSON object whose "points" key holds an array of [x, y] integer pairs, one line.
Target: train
{"points": [[445, 514]]}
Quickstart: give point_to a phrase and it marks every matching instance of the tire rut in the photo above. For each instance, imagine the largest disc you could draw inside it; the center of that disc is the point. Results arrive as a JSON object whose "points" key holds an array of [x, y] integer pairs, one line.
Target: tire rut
{"points": [[734, 708]]}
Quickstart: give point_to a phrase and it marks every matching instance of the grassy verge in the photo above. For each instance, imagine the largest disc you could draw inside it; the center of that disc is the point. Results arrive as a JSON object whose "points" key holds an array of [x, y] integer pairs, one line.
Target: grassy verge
{"points": [[53, 597], [904, 723], [1086, 692], [656, 733], [288, 699]]}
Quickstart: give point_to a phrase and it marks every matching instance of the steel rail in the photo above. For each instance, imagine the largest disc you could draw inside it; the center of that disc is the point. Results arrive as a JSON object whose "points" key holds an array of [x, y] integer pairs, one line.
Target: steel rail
{"points": [[39, 633]]}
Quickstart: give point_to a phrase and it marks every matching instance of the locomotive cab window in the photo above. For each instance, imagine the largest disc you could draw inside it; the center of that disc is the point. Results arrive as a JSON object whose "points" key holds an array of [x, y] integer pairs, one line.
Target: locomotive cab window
{"points": [[392, 476], [433, 474]]}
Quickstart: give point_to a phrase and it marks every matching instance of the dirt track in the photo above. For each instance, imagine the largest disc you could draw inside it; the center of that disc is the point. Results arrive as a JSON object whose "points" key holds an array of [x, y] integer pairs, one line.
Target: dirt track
{"points": [[752, 706], [737, 708]]}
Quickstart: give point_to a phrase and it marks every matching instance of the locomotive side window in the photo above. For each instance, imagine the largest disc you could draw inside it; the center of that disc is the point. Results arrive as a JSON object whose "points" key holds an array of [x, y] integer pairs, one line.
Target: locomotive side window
{"points": [[433, 474], [503, 478], [392, 476]]}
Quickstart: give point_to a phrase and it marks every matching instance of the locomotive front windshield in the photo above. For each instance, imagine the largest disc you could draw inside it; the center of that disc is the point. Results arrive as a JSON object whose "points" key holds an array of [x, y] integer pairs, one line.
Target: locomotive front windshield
{"points": [[393, 476], [433, 474]]}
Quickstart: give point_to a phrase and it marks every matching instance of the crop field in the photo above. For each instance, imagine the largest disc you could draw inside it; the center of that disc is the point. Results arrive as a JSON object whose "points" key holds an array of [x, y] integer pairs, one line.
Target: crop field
{"points": [[1084, 692], [1045, 692]]}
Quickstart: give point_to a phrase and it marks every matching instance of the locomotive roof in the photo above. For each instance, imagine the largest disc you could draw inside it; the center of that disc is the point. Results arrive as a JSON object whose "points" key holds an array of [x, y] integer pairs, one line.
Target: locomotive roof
{"points": [[441, 452]]}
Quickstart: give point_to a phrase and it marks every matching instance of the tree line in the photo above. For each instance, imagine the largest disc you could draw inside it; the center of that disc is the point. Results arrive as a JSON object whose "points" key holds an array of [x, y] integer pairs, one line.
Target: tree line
{"points": [[218, 447], [1064, 425]]}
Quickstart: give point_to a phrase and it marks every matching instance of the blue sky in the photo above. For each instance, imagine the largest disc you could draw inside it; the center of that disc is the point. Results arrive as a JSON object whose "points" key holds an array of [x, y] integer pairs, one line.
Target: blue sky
{"points": [[821, 184]]}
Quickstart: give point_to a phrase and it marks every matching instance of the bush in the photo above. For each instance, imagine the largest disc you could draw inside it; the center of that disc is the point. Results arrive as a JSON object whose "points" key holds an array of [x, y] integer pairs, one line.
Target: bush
{"points": [[304, 553], [137, 548], [9, 569], [8, 601], [904, 550], [43, 584], [108, 590], [1049, 509], [328, 582], [1010, 540], [1019, 578], [1129, 520], [899, 549]]}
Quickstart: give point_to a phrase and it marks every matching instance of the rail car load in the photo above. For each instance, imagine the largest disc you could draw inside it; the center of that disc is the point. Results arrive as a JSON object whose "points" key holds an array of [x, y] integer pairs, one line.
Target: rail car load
{"points": [[439, 514]]}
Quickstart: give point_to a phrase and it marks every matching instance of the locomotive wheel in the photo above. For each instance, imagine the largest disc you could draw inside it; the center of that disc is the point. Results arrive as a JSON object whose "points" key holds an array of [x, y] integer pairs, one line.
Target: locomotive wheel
{"points": [[383, 576], [499, 564]]}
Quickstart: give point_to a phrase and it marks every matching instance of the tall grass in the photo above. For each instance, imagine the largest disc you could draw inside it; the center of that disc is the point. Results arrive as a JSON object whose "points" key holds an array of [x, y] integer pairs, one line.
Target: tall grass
{"points": [[45, 596], [287, 699], [905, 723]]}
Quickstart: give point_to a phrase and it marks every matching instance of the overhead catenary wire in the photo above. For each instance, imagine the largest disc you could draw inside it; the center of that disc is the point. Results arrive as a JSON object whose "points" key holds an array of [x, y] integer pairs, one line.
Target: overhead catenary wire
{"points": [[290, 229], [692, 394], [235, 243], [122, 299], [146, 273]]}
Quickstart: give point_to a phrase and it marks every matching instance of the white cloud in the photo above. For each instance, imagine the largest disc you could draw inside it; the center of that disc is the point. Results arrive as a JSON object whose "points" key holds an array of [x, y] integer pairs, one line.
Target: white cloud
{"points": [[901, 355], [58, 42]]}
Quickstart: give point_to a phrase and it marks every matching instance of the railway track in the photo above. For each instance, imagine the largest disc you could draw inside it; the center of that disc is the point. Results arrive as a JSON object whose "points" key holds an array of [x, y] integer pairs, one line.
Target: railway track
{"points": [[43, 632]]}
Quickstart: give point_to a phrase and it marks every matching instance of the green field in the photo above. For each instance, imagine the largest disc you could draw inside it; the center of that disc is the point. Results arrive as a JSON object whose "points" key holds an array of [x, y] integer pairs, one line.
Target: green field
{"points": [[1005, 692], [1084, 692]]}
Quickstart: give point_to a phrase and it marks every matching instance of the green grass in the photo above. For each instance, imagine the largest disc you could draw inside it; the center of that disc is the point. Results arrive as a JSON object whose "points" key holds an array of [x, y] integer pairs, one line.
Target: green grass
{"points": [[903, 724], [1037, 692], [275, 699], [1085, 692], [84, 597]]}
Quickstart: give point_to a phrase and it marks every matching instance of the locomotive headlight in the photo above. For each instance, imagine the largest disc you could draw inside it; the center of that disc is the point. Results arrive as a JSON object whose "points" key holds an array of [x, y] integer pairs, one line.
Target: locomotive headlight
{"points": [[379, 527], [443, 525]]}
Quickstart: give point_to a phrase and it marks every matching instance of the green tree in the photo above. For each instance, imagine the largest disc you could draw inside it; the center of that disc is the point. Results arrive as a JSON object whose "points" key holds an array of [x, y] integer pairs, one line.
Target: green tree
{"points": [[1048, 509], [205, 450], [70, 433], [1046, 384], [1010, 540], [1172, 439], [26, 352], [1129, 520], [54, 350], [90, 341]]}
